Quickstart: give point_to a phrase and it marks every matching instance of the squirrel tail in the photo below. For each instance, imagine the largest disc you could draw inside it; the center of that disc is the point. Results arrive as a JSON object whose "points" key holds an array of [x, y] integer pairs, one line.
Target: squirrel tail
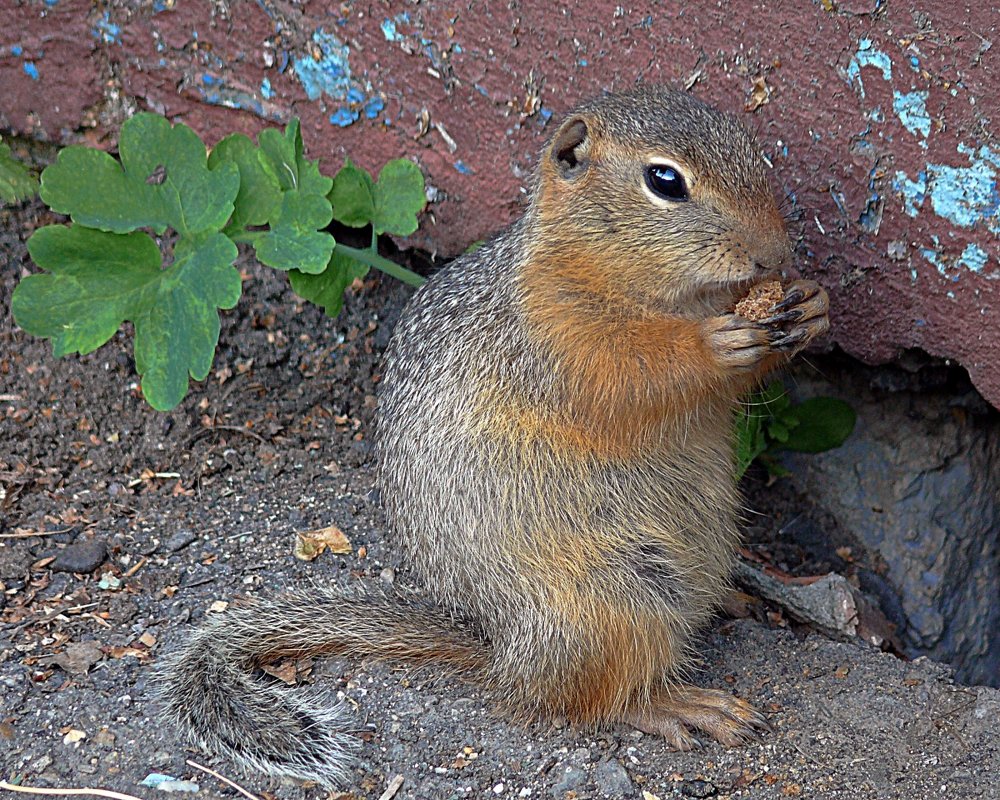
{"points": [[213, 691]]}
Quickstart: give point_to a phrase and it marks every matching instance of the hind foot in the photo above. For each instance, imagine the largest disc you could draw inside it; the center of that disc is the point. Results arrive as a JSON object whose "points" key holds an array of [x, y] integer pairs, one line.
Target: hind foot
{"points": [[675, 715]]}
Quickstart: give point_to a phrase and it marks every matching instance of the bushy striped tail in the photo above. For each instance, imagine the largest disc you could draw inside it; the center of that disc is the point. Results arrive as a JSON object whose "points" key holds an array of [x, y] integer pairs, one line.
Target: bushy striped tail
{"points": [[213, 690]]}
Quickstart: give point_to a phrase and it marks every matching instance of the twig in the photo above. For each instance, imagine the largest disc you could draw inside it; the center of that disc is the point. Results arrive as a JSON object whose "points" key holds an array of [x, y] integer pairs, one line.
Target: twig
{"points": [[231, 428], [29, 534], [394, 786], [222, 778], [10, 787], [135, 567]]}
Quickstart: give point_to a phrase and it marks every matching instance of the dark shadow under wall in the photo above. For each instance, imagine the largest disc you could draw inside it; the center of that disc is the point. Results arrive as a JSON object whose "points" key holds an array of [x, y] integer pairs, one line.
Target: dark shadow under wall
{"points": [[913, 496]]}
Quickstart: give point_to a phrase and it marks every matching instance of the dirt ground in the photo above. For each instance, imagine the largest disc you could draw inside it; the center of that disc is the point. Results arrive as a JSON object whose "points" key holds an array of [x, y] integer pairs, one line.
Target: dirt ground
{"points": [[178, 513]]}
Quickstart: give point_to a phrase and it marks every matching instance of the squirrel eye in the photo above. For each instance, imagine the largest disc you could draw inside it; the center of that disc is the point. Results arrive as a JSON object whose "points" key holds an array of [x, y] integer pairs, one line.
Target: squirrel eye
{"points": [[666, 182]]}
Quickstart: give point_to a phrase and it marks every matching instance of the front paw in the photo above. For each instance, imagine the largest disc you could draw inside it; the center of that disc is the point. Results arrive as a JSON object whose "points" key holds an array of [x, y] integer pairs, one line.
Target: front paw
{"points": [[799, 318], [738, 344]]}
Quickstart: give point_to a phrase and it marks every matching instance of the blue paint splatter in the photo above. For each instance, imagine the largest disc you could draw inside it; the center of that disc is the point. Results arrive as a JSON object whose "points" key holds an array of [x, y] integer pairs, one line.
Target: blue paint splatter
{"points": [[582, 62], [211, 80], [374, 107], [344, 116], [965, 196], [915, 62], [461, 167], [31, 70], [545, 114], [51, 3], [914, 192], [973, 257], [331, 74], [16, 49], [933, 256], [265, 89], [355, 95], [389, 31], [911, 108], [868, 56], [106, 30]]}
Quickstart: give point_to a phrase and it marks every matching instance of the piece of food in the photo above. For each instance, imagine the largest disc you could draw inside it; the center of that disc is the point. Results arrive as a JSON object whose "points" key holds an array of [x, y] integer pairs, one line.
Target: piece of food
{"points": [[761, 298]]}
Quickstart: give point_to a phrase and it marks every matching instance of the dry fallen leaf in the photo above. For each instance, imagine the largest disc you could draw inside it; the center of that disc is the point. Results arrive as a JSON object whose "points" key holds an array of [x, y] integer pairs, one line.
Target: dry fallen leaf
{"points": [[122, 652], [218, 606], [309, 544], [290, 671], [78, 657], [760, 93]]}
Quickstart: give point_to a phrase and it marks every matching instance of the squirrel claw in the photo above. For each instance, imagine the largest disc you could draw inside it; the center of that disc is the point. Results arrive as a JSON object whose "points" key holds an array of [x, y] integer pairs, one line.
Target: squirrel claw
{"points": [[782, 340], [786, 316], [794, 297], [727, 719]]}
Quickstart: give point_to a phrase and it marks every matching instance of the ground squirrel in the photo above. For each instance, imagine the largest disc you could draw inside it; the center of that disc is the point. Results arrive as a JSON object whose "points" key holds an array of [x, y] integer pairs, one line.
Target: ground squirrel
{"points": [[555, 444]]}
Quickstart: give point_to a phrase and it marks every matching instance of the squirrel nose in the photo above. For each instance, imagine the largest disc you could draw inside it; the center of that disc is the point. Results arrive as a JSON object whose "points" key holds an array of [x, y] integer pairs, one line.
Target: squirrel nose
{"points": [[774, 253]]}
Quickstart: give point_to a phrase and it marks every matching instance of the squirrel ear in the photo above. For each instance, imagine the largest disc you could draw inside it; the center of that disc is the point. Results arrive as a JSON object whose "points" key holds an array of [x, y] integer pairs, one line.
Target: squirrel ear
{"points": [[571, 147]]}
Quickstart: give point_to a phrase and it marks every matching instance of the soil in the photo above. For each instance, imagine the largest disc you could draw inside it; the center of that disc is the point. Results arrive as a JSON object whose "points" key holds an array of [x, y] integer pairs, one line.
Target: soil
{"points": [[181, 512]]}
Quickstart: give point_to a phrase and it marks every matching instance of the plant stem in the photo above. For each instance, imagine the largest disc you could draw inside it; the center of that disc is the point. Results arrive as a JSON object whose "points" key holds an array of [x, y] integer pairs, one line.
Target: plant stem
{"points": [[383, 264]]}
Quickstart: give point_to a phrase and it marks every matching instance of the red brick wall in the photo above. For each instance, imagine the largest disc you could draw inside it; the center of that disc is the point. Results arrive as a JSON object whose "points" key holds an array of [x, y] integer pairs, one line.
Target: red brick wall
{"points": [[880, 118]]}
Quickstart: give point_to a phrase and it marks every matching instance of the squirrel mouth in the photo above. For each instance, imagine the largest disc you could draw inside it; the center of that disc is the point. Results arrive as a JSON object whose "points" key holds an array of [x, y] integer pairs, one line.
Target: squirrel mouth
{"points": [[722, 295]]}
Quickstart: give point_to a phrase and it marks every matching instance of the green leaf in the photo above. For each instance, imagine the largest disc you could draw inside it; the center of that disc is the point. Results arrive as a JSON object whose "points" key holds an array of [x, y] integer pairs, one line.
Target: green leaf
{"points": [[352, 196], [825, 423], [390, 205], [163, 181], [789, 418], [399, 197], [327, 288], [16, 182], [773, 400], [774, 467], [285, 154], [259, 197], [750, 440], [294, 240], [777, 431], [96, 280], [177, 321], [92, 282]]}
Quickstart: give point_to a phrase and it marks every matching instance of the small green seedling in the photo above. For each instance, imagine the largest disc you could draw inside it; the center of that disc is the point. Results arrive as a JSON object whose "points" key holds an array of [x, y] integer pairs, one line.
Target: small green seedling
{"points": [[153, 240], [17, 184], [771, 422]]}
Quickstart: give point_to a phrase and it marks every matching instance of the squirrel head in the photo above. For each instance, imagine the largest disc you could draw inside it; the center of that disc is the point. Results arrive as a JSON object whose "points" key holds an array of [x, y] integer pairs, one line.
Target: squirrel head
{"points": [[655, 195]]}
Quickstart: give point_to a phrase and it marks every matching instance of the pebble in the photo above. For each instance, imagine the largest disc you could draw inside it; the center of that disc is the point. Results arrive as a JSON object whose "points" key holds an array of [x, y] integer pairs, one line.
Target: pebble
{"points": [[178, 541], [698, 789], [612, 779], [572, 778], [82, 557]]}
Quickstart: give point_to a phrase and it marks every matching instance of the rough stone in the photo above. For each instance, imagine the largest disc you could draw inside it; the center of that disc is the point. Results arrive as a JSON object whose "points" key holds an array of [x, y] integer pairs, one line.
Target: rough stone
{"points": [[178, 541], [81, 557], [572, 777], [919, 482], [612, 779]]}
